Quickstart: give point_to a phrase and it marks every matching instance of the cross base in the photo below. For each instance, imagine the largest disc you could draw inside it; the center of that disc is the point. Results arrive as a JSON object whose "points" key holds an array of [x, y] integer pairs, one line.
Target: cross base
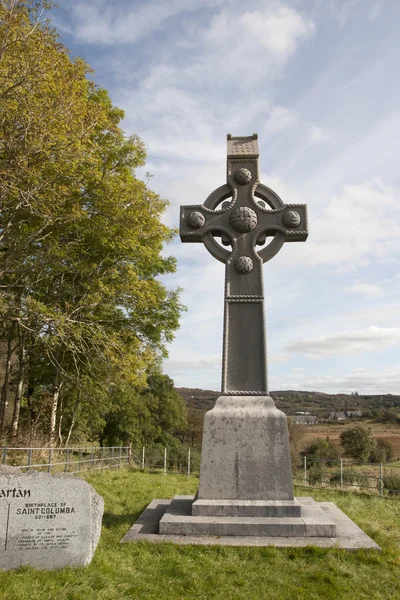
{"points": [[245, 453], [172, 521]]}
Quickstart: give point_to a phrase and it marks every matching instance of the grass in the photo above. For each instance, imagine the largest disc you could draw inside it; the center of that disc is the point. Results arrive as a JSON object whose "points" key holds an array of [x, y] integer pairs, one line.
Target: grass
{"points": [[165, 571]]}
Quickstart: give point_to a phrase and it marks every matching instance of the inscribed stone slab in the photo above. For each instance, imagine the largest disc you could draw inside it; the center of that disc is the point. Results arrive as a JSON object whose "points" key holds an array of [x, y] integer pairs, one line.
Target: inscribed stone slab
{"points": [[47, 521]]}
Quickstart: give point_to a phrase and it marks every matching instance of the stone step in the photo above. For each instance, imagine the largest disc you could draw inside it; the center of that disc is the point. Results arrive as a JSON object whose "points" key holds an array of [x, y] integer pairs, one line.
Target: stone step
{"points": [[246, 508], [178, 520]]}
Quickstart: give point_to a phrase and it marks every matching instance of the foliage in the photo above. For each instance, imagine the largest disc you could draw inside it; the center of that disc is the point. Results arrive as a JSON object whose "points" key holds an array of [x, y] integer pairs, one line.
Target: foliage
{"points": [[321, 449], [357, 443], [317, 474], [391, 483], [80, 235], [348, 477], [153, 415], [382, 452]]}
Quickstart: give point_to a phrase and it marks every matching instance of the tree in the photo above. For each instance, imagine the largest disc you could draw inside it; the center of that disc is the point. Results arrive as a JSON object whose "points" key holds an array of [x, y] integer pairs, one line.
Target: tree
{"points": [[80, 235], [153, 415], [357, 443], [382, 452], [321, 450]]}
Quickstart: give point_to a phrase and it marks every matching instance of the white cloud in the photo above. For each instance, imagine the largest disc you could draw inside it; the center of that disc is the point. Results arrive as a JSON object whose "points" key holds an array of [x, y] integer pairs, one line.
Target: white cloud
{"points": [[366, 289], [359, 226], [280, 118], [362, 340], [100, 23], [375, 10], [318, 135], [278, 30]]}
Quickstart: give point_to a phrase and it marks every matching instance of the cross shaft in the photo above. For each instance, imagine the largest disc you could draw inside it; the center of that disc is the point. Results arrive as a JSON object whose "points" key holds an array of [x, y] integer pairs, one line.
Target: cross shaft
{"points": [[243, 223]]}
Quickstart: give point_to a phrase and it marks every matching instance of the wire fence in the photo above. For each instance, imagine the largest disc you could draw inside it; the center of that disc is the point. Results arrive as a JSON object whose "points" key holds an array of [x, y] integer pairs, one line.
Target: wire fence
{"points": [[67, 460], [372, 478], [87, 458]]}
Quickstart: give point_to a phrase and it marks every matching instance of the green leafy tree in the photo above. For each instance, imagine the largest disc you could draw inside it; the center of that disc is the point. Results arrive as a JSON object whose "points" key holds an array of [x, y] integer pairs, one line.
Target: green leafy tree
{"points": [[321, 450], [382, 452], [357, 443], [153, 415], [80, 235]]}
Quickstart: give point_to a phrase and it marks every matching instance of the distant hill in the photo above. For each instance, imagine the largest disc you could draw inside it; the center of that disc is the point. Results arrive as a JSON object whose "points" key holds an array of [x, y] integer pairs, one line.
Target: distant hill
{"points": [[291, 401]]}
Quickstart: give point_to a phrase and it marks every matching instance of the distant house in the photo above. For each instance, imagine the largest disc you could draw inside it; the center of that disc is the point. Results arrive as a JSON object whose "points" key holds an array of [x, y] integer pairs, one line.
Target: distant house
{"points": [[342, 416], [354, 413], [337, 416], [304, 420]]}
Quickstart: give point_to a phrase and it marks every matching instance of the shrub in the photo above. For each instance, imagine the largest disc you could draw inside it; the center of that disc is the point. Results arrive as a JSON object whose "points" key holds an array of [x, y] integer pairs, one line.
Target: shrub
{"points": [[321, 450], [382, 452], [316, 474], [350, 477], [358, 443], [391, 483]]}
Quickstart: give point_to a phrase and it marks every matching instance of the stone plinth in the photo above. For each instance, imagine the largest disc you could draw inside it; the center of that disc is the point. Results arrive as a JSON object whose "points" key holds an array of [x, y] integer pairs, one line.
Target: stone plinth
{"points": [[348, 535], [245, 453], [246, 508], [179, 520]]}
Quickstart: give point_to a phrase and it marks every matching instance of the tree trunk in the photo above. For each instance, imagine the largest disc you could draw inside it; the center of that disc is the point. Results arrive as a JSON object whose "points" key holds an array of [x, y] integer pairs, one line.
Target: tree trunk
{"points": [[20, 381], [6, 383], [78, 402], [54, 406], [60, 420]]}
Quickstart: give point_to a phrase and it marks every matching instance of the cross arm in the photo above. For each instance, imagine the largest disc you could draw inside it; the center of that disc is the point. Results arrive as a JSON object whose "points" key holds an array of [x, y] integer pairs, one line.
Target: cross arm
{"points": [[198, 220], [289, 220]]}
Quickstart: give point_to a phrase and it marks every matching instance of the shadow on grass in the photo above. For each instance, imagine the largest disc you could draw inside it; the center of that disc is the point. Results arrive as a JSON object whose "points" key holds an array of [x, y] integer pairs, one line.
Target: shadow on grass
{"points": [[111, 520]]}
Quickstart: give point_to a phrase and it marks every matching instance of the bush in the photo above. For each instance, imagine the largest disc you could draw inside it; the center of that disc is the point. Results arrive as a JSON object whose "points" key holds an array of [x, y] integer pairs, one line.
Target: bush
{"points": [[358, 443], [382, 452], [321, 450], [350, 477], [391, 483], [316, 474]]}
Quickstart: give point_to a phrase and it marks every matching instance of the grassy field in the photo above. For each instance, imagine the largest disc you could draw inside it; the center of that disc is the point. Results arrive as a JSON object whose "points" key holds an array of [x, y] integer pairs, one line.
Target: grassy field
{"points": [[165, 571]]}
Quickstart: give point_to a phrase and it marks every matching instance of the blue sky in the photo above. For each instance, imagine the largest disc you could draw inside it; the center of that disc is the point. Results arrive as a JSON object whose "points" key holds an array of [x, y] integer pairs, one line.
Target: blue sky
{"points": [[318, 80]]}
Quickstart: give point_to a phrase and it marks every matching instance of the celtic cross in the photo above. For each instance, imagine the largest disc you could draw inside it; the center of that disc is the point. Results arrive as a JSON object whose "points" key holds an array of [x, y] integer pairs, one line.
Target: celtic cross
{"points": [[243, 223]]}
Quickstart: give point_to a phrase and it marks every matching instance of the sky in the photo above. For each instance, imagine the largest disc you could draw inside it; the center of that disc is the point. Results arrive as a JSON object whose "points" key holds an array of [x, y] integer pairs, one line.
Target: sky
{"points": [[318, 80]]}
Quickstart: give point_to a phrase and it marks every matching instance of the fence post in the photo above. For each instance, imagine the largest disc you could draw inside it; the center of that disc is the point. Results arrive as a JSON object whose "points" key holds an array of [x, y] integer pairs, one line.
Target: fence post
{"points": [[381, 479], [165, 461], [80, 460], [120, 456], [341, 472], [29, 458], [305, 471], [143, 454], [4, 454], [92, 458], [129, 451], [66, 461], [189, 461], [50, 455]]}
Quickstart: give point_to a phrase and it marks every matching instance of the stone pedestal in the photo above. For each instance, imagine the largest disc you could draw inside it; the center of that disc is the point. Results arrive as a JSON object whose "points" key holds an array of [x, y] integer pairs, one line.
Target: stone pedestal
{"points": [[246, 484], [245, 453]]}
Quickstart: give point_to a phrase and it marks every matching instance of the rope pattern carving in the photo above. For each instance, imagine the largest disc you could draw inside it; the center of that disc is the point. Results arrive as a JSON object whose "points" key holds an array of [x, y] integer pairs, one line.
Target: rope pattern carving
{"points": [[245, 159], [240, 298], [244, 393]]}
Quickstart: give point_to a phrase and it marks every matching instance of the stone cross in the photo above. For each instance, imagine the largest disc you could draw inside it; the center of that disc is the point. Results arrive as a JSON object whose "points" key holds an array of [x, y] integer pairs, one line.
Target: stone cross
{"points": [[244, 223]]}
